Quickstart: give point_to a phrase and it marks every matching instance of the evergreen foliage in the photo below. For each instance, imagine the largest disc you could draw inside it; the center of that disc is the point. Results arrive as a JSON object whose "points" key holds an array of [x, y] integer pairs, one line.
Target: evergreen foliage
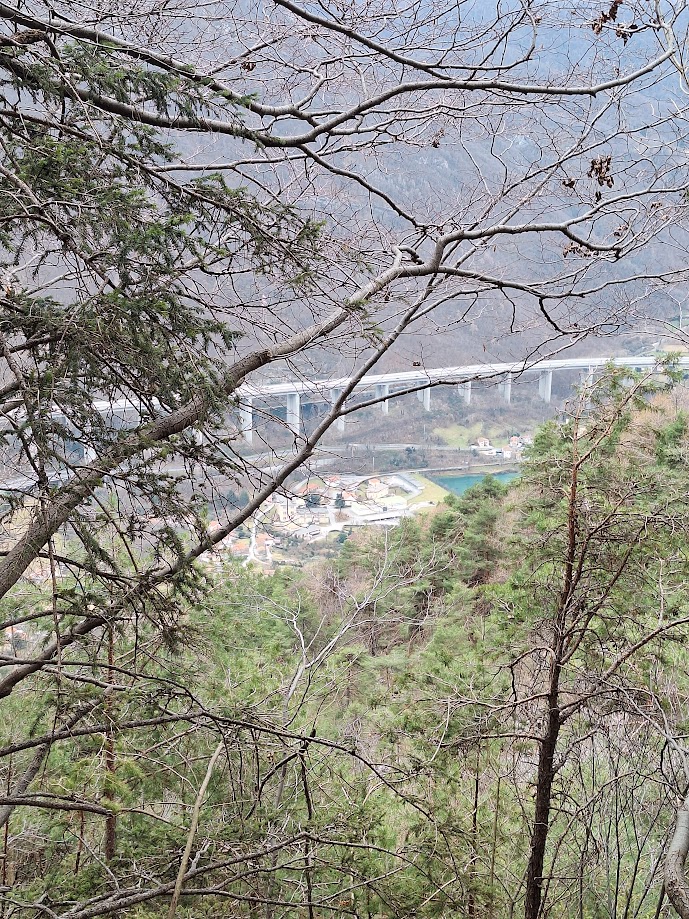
{"points": [[384, 716]]}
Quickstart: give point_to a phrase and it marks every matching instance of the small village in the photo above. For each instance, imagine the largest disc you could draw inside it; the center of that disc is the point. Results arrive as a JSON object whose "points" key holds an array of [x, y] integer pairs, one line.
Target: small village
{"points": [[322, 511]]}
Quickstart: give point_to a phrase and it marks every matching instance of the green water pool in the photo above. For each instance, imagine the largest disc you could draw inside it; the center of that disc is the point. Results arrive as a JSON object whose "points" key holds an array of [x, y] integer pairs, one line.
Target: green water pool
{"points": [[458, 484]]}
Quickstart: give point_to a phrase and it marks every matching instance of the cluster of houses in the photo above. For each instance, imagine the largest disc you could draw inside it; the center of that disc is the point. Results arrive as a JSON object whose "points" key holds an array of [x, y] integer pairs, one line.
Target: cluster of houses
{"points": [[315, 509], [330, 502], [512, 451], [323, 507]]}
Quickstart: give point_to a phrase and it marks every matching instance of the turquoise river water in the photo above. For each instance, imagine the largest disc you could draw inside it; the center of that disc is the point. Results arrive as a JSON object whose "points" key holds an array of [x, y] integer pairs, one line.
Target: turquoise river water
{"points": [[458, 484]]}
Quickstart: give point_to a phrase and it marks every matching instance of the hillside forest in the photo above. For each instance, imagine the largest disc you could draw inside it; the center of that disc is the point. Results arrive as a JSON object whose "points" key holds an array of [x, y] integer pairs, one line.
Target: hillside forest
{"points": [[481, 712]]}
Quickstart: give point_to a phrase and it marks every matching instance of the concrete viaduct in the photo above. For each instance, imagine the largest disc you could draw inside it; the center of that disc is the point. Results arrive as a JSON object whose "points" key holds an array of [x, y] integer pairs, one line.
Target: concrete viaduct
{"points": [[294, 392]]}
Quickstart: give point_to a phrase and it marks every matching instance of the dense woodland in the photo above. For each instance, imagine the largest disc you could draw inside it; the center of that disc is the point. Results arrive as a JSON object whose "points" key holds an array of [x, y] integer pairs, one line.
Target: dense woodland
{"points": [[479, 709]]}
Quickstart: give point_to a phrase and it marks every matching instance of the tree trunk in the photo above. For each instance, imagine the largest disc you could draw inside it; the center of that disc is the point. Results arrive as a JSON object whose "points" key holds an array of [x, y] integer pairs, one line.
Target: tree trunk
{"points": [[111, 820], [544, 784], [676, 886]]}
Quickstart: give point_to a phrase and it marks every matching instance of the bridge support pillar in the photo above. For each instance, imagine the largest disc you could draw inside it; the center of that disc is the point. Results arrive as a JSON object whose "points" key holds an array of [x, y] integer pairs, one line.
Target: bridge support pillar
{"points": [[506, 388], [334, 396], [586, 389], [89, 453], [294, 412], [246, 420], [424, 397], [464, 390], [382, 392], [545, 385]]}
